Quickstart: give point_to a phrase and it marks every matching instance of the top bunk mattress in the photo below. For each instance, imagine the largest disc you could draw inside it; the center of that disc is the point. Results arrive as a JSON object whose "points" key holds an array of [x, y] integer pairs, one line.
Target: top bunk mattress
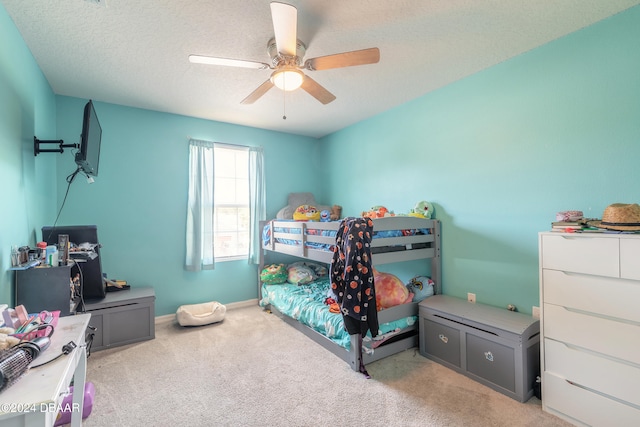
{"points": [[395, 239]]}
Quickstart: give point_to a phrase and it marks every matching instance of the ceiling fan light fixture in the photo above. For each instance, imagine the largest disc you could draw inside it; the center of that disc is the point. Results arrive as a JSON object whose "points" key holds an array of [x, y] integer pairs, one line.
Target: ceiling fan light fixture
{"points": [[287, 79]]}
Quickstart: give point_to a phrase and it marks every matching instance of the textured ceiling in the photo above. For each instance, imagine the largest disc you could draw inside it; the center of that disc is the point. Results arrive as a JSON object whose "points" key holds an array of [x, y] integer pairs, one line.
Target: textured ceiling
{"points": [[135, 52]]}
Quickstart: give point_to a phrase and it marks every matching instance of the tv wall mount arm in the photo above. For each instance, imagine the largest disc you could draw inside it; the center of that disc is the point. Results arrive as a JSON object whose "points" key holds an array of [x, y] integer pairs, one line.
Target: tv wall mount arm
{"points": [[61, 146]]}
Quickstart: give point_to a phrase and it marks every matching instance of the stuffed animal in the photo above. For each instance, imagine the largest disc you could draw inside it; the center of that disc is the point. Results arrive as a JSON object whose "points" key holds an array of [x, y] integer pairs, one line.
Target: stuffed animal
{"points": [[378, 212], [336, 212], [422, 209], [6, 339], [421, 287], [325, 216], [299, 274], [306, 213], [274, 274], [390, 291]]}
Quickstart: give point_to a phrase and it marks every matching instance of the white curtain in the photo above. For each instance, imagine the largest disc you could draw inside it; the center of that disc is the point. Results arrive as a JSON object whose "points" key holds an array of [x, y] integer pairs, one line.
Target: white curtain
{"points": [[257, 202], [199, 236]]}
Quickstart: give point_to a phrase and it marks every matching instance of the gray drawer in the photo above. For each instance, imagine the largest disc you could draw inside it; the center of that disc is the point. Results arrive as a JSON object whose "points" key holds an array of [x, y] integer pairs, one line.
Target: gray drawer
{"points": [[442, 342], [491, 361]]}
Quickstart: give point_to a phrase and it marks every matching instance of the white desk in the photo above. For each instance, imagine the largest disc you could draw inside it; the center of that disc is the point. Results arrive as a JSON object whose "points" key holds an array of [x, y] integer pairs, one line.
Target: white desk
{"points": [[35, 398]]}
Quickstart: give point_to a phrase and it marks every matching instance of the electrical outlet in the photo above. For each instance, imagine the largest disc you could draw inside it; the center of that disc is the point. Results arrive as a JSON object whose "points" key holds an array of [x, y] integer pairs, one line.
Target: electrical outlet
{"points": [[471, 297], [535, 312]]}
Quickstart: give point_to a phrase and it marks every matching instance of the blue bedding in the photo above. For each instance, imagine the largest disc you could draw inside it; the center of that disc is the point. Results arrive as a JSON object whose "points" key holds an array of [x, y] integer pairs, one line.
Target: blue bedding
{"points": [[306, 303], [266, 235]]}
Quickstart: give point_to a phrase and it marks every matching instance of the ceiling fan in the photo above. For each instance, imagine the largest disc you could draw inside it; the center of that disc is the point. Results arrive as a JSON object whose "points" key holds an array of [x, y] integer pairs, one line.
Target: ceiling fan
{"points": [[287, 53]]}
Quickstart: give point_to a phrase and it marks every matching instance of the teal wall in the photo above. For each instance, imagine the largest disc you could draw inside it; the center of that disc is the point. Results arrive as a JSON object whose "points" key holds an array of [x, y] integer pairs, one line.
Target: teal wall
{"points": [[500, 152], [28, 190], [138, 201]]}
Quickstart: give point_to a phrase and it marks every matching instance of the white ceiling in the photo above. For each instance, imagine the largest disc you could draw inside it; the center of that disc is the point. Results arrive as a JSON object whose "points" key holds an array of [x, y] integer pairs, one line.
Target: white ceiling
{"points": [[135, 52]]}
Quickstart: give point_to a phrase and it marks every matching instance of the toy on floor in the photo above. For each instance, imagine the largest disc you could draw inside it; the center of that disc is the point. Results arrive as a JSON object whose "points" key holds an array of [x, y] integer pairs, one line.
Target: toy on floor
{"points": [[200, 314], [64, 416]]}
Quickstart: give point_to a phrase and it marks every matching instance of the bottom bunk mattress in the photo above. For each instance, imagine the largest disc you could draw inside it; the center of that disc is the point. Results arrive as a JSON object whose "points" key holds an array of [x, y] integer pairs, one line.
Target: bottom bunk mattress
{"points": [[307, 304]]}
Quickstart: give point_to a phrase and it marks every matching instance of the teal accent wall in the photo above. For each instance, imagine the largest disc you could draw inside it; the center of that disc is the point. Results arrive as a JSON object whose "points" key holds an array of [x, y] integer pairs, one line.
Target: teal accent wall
{"points": [[139, 198], [500, 152], [28, 190]]}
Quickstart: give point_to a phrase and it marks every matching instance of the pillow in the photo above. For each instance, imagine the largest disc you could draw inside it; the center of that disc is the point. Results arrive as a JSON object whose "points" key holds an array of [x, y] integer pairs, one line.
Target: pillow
{"points": [[390, 291], [274, 274], [300, 274], [298, 199], [319, 270], [422, 287]]}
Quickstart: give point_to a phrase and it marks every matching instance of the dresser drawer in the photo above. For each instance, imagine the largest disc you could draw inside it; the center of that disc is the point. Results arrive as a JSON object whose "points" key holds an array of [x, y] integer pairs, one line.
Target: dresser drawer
{"points": [[617, 339], [612, 297], [586, 369], [581, 254], [630, 258], [582, 404]]}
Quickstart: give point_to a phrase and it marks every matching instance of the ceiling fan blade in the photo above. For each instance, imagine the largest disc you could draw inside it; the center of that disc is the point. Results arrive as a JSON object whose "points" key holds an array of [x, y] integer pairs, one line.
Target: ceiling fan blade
{"points": [[256, 94], [285, 27], [346, 59], [210, 60], [316, 90]]}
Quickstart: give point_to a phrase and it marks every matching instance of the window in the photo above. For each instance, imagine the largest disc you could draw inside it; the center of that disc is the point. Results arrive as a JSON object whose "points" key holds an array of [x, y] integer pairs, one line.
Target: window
{"points": [[225, 204], [231, 204]]}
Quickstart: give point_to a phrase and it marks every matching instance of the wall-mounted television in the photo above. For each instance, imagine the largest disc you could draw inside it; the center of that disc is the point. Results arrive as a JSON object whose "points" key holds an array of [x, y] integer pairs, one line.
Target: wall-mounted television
{"points": [[88, 157]]}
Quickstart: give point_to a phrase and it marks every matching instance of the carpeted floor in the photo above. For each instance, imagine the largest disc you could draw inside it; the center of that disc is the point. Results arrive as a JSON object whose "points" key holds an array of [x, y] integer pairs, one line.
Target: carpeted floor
{"points": [[253, 369]]}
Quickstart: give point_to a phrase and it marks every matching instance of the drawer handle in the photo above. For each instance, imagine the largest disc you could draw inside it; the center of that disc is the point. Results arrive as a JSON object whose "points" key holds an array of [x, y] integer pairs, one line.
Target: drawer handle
{"points": [[488, 355], [443, 338]]}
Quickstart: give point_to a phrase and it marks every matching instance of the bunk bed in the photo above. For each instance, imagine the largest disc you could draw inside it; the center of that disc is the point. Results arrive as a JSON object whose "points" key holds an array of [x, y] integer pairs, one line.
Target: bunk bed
{"points": [[396, 239]]}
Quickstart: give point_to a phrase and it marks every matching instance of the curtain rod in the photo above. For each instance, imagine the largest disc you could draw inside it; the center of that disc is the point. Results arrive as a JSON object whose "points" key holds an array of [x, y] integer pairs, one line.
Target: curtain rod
{"points": [[225, 143]]}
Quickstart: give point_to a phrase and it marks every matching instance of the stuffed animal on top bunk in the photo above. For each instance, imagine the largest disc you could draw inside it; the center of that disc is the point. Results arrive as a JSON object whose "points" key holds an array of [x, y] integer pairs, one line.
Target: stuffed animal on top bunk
{"points": [[377, 212], [336, 212], [306, 213], [390, 291], [274, 274], [422, 209]]}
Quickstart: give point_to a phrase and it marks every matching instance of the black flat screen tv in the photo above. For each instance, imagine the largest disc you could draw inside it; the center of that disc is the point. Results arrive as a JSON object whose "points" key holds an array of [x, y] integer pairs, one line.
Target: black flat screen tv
{"points": [[88, 158], [93, 286]]}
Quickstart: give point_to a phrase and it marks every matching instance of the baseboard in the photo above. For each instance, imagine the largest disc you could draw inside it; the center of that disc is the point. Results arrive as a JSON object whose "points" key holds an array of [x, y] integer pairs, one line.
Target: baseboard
{"points": [[230, 306]]}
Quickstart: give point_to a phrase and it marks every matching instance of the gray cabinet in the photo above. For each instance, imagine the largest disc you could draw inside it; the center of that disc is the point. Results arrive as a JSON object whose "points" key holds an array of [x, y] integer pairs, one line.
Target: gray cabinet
{"points": [[122, 317], [494, 346]]}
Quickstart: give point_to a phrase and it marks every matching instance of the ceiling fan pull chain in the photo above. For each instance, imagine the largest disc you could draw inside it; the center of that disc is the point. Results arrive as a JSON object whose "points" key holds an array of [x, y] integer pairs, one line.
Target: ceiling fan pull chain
{"points": [[284, 105]]}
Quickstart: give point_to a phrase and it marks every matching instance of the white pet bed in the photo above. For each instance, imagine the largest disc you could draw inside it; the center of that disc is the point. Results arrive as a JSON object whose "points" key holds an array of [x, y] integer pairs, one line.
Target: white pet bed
{"points": [[200, 314]]}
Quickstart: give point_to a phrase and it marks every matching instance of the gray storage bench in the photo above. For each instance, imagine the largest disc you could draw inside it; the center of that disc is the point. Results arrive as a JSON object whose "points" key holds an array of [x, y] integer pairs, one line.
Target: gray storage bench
{"points": [[496, 347], [122, 317]]}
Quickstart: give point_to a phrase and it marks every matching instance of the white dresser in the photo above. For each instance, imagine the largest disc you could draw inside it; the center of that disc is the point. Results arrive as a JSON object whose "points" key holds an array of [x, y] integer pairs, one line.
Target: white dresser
{"points": [[590, 327]]}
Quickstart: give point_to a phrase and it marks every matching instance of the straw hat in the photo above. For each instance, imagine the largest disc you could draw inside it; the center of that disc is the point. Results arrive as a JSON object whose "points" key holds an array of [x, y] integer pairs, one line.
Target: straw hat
{"points": [[620, 216]]}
